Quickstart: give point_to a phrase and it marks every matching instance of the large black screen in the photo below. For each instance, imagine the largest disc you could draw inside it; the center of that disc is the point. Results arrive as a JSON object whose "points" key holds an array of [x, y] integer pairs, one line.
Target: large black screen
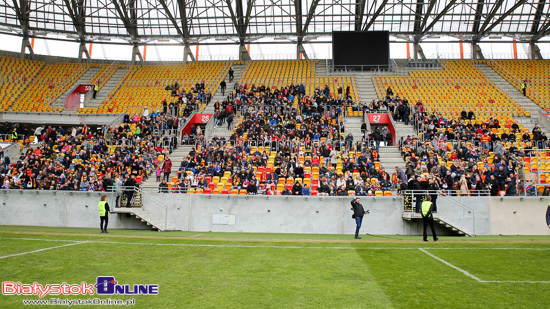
{"points": [[370, 48]]}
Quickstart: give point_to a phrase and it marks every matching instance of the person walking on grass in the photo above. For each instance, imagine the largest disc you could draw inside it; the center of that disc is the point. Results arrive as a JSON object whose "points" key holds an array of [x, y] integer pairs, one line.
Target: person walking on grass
{"points": [[104, 211], [358, 213], [428, 217]]}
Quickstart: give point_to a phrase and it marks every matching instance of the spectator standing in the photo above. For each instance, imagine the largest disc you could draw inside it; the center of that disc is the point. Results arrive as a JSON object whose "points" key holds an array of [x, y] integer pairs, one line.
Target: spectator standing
{"points": [[118, 190], [130, 185], [167, 168], [231, 74], [223, 85]]}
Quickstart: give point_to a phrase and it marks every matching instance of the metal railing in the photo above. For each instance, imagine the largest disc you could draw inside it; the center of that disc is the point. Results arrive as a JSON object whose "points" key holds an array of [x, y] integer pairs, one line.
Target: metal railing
{"points": [[463, 215], [144, 194]]}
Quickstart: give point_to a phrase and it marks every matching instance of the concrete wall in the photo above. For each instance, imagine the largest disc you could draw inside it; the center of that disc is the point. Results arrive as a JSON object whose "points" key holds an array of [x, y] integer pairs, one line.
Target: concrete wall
{"points": [[273, 214], [12, 150], [519, 216], [278, 214], [470, 213], [63, 209], [58, 118]]}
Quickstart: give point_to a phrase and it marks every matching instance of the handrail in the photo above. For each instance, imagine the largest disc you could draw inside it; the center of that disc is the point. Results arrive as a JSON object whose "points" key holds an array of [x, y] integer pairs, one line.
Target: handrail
{"points": [[468, 209], [108, 126], [148, 196], [442, 193]]}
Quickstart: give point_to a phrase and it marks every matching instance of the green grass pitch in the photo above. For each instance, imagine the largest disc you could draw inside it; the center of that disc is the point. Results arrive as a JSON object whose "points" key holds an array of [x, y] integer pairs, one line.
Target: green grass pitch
{"points": [[240, 270]]}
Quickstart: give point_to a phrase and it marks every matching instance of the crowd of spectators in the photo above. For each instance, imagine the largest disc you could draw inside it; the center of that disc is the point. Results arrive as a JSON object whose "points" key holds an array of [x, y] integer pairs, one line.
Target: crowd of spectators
{"points": [[185, 101], [92, 159], [464, 156], [275, 141]]}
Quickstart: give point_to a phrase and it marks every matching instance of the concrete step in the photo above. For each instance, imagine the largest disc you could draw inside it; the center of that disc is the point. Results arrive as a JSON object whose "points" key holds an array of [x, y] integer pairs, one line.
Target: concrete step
{"points": [[84, 79]]}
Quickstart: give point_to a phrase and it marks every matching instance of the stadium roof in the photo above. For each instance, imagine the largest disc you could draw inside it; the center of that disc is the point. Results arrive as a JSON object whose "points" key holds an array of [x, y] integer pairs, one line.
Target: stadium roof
{"points": [[243, 21]]}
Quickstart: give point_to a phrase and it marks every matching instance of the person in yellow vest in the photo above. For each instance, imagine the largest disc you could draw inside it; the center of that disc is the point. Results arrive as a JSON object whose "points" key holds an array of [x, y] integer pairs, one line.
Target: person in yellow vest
{"points": [[14, 135], [104, 211], [427, 217], [96, 89], [524, 87]]}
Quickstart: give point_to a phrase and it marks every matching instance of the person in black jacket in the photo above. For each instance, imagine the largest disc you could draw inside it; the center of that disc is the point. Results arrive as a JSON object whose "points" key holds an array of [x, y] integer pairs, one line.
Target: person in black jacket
{"points": [[548, 216], [130, 184], [223, 85], [358, 213], [163, 187], [297, 188]]}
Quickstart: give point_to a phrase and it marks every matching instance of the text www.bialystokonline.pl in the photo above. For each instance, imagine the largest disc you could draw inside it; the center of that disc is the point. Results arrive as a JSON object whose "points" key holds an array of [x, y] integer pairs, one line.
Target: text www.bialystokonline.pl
{"points": [[80, 302]]}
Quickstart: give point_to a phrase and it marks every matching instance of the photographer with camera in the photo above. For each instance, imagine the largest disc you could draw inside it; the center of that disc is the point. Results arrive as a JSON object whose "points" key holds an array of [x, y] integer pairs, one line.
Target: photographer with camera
{"points": [[358, 213]]}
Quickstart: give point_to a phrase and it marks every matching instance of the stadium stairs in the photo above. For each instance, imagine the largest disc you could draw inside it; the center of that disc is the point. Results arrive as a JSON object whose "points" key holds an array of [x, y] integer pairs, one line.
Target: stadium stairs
{"points": [[410, 216], [402, 130], [390, 157], [84, 79], [353, 126], [177, 157], [151, 219], [108, 88], [209, 109], [365, 87], [515, 95]]}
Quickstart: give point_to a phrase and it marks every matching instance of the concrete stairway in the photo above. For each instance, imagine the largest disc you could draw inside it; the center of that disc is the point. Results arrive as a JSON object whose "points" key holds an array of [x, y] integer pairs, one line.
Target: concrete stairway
{"points": [[402, 130], [108, 88], [363, 81], [321, 69], [353, 125], [409, 216], [84, 79], [515, 95], [149, 218], [365, 88], [209, 109], [177, 157], [390, 157]]}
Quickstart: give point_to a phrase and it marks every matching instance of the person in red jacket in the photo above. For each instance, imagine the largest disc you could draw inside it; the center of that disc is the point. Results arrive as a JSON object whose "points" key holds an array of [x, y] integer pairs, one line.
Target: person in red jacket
{"points": [[167, 168]]}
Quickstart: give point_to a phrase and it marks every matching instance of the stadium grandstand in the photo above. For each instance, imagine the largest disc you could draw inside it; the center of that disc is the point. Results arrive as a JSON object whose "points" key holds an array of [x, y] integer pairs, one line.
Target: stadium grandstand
{"points": [[148, 99]]}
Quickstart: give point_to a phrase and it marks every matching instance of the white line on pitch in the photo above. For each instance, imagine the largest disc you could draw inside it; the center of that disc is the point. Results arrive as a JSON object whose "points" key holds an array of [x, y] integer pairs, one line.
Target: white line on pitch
{"points": [[42, 239], [264, 246], [195, 235], [40, 250], [474, 277], [513, 281], [452, 266]]}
